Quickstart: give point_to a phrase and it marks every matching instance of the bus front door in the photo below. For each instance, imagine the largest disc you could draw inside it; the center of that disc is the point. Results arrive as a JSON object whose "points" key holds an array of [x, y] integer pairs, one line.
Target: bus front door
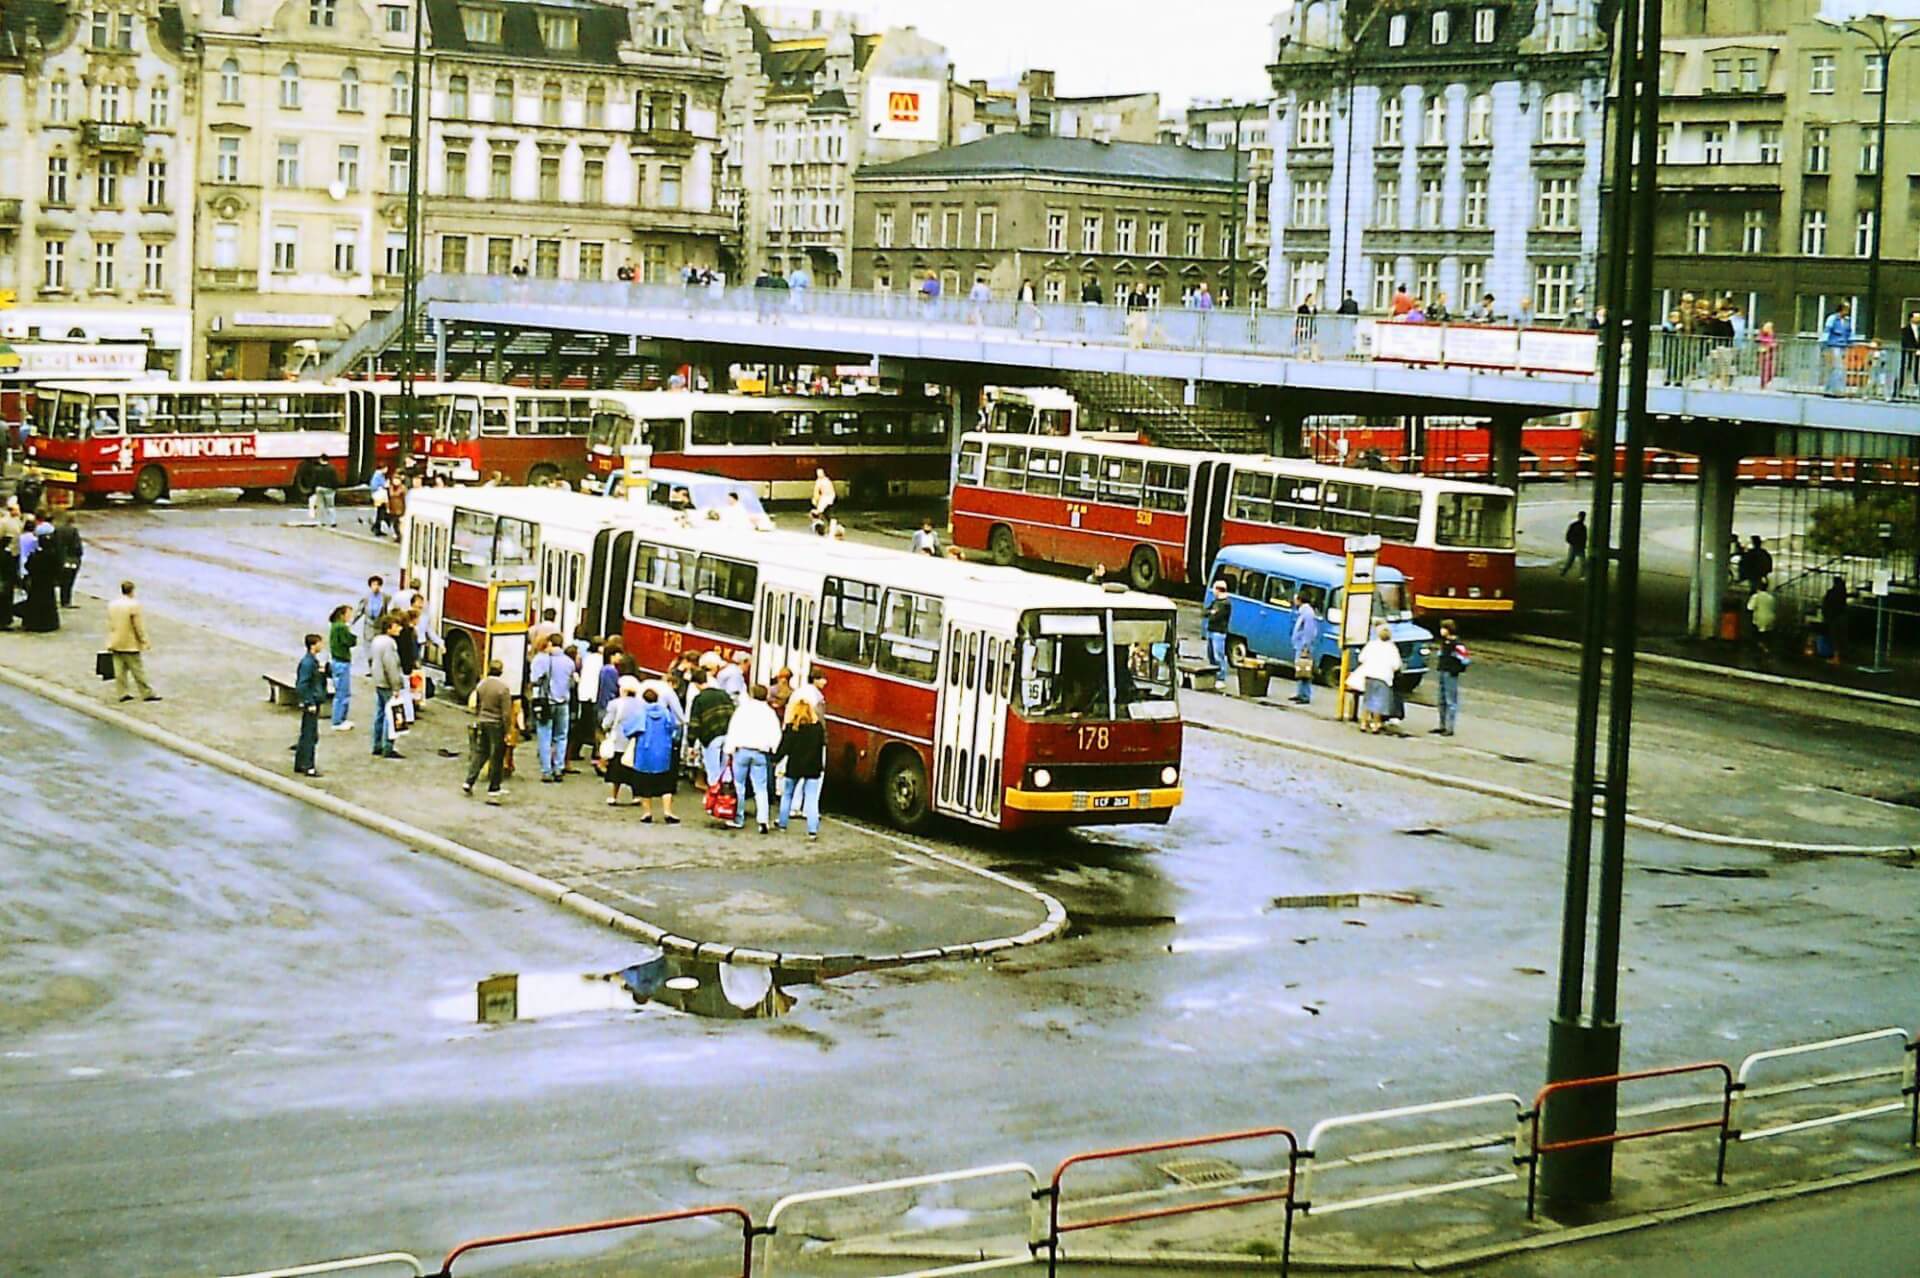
{"points": [[786, 636], [563, 576], [972, 726], [1212, 481]]}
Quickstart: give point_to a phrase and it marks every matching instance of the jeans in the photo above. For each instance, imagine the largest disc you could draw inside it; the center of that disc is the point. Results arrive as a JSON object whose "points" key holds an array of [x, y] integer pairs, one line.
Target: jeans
{"points": [[382, 738], [1836, 357], [1303, 689], [807, 790], [323, 511], [1217, 650], [487, 748], [342, 690], [750, 774], [1575, 559], [303, 750], [552, 734], [710, 759], [130, 674], [1449, 701]]}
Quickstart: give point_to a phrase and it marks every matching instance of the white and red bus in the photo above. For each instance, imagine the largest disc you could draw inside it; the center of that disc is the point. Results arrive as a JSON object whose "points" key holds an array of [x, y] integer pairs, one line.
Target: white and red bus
{"points": [[1159, 514], [873, 447], [527, 436], [956, 689], [151, 438]]}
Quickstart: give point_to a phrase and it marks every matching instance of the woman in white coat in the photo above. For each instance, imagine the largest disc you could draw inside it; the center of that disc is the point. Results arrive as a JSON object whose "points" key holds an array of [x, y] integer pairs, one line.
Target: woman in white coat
{"points": [[1379, 666]]}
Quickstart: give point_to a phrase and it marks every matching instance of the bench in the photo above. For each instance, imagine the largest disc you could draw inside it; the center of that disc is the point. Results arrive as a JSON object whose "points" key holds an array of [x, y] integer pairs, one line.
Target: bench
{"points": [[281, 691], [1196, 667]]}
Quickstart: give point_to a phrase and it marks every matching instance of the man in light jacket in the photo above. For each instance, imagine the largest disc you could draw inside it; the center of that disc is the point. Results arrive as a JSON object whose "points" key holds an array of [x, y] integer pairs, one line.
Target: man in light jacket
{"points": [[551, 683], [389, 680], [371, 611], [1306, 644], [127, 642], [753, 737]]}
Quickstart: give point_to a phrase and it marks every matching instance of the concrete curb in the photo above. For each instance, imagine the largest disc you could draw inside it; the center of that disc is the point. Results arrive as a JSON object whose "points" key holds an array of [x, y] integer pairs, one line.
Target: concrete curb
{"points": [[1732, 672], [1494, 790], [548, 889]]}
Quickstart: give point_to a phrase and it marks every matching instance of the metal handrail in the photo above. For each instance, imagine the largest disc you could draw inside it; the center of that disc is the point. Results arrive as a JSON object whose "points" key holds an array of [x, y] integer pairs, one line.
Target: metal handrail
{"points": [[1724, 1123], [772, 1228], [1311, 1153], [602, 1226], [343, 1266], [1827, 1120]]}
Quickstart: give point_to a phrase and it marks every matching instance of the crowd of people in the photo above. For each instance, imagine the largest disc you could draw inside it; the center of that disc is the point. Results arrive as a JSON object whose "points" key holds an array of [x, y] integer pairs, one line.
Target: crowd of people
{"points": [[39, 561]]}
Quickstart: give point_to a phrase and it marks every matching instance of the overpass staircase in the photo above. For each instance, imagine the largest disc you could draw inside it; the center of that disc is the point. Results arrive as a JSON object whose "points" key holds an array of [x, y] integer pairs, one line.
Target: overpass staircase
{"points": [[1156, 409]]}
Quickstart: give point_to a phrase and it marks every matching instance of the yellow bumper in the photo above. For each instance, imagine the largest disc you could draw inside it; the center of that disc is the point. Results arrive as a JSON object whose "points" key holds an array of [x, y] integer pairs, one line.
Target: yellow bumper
{"points": [[1094, 800], [1458, 603], [51, 476]]}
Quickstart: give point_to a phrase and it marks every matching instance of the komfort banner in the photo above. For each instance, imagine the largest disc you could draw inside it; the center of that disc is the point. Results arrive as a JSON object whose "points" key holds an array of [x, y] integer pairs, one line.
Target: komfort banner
{"points": [[903, 110]]}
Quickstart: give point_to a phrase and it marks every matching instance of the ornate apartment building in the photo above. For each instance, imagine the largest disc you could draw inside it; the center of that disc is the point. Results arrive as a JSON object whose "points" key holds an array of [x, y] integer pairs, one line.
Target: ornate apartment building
{"points": [[1451, 145], [97, 111]]}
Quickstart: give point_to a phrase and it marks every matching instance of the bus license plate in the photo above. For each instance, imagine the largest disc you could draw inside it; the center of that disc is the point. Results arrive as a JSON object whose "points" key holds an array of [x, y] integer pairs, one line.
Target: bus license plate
{"points": [[1113, 800]]}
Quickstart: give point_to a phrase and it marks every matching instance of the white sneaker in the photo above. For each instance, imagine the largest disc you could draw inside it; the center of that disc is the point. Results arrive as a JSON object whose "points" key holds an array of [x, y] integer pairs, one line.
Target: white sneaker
{"points": [[344, 726]]}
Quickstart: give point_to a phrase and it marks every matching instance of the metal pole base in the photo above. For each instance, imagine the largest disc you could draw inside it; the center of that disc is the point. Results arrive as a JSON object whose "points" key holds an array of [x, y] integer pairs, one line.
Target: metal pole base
{"points": [[1580, 1049]]}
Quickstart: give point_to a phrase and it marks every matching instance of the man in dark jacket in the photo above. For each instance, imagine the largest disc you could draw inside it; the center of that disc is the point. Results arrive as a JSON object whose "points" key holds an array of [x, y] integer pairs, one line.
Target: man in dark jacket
{"points": [[1348, 306], [310, 689], [707, 720], [1909, 354], [68, 550], [1215, 621], [1756, 564]]}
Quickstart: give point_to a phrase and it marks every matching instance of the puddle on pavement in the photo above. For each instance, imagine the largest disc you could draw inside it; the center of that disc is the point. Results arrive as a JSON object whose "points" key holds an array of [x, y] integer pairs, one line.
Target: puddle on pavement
{"points": [[699, 987]]}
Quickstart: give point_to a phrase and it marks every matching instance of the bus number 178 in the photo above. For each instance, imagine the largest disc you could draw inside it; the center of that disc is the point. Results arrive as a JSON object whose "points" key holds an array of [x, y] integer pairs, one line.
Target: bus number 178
{"points": [[1092, 738]]}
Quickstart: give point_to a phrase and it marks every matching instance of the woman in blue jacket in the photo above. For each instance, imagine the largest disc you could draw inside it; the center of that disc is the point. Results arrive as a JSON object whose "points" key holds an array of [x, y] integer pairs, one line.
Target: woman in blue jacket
{"points": [[652, 733]]}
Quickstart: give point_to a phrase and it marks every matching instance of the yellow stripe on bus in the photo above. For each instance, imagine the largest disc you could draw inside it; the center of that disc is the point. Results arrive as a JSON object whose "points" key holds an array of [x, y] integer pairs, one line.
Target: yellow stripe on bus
{"points": [[1092, 801], [1453, 603]]}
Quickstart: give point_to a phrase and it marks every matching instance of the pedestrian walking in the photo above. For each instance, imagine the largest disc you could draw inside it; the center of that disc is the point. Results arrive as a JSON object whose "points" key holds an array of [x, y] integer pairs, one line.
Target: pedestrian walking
{"points": [[41, 613], [127, 644], [493, 707], [620, 726], [823, 493], [340, 642], [1215, 620], [1306, 647], [1451, 658], [68, 549], [803, 748], [397, 501], [753, 737], [1836, 337], [650, 753], [1833, 618], [377, 498], [371, 612], [389, 681], [310, 690], [1378, 668], [926, 541], [1768, 344], [707, 718], [1764, 612], [1576, 539], [324, 482], [552, 677], [1756, 565]]}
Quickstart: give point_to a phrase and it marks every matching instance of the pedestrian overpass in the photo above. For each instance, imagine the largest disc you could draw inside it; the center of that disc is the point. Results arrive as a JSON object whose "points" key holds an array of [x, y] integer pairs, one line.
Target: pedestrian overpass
{"points": [[1795, 398]]}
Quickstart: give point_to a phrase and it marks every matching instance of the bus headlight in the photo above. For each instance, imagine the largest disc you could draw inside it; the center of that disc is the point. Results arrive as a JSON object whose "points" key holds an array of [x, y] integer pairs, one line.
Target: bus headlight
{"points": [[1042, 778], [1169, 775]]}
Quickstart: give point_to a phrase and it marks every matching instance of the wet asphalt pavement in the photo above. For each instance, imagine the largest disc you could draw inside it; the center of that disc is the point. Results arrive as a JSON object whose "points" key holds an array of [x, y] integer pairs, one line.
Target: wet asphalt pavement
{"points": [[226, 1045]]}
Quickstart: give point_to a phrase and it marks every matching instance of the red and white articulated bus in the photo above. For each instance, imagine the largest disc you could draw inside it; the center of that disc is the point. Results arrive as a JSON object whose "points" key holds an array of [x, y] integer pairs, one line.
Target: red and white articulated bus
{"points": [[153, 438], [873, 447], [958, 689], [1158, 514], [528, 436]]}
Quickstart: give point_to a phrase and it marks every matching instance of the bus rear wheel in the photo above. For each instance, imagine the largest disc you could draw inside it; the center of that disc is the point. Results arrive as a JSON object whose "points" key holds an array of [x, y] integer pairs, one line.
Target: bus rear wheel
{"points": [[150, 485], [1143, 570], [542, 475], [1001, 545], [463, 665], [903, 787]]}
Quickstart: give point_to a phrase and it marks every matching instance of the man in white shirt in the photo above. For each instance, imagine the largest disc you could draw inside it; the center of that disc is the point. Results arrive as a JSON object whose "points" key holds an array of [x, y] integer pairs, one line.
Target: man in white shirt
{"points": [[814, 691], [753, 738], [732, 677]]}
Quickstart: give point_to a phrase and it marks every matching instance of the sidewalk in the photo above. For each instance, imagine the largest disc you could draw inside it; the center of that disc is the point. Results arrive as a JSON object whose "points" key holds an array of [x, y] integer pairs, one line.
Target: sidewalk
{"points": [[860, 897]]}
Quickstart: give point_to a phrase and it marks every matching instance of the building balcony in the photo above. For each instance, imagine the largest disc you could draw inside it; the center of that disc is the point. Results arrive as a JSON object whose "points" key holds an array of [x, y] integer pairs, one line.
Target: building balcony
{"points": [[661, 139], [227, 277], [112, 135], [1719, 177], [9, 215], [685, 221]]}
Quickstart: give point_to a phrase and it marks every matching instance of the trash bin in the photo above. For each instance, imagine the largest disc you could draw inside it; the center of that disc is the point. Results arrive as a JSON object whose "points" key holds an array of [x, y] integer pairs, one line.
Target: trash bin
{"points": [[1253, 677], [1730, 624]]}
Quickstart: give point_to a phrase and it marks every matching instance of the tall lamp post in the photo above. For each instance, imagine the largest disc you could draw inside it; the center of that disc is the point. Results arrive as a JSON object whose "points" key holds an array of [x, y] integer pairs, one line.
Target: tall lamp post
{"points": [[409, 288], [1239, 203], [1878, 32]]}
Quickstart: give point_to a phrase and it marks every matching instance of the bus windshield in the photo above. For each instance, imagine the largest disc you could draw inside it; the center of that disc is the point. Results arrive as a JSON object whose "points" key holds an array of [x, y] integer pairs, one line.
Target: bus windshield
{"points": [[1475, 519], [1097, 665], [611, 431], [65, 417]]}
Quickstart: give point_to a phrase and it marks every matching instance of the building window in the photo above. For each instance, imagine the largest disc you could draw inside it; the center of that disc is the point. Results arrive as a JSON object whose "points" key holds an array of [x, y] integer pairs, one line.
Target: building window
{"points": [[1123, 235], [345, 250], [1552, 289], [321, 13], [286, 250], [395, 18], [453, 176], [1390, 113], [1770, 144], [156, 184], [453, 254], [1563, 32], [1698, 226], [1753, 231], [500, 175], [986, 231], [1396, 30], [1749, 75], [159, 106], [290, 87], [1309, 277], [59, 99], [1820, 74], [1310, 202], [593, 260], [1870, 153], [286, 164], [226, 245], [481, 26], [393, 258], [1426, 279], [1090, 231], [1813, 233], [154, 275], [102, 29], [1480, 120], [57, 169], [1054, 289], [560, 32], [1483, 21], [109, 109], [105, 266], [1430, 203], [1474, 210], [1723, 75], [546, 259], [503, 100], [593, 181], [1559, 204], [1386, 202], [883, 228], [1473, 281], [1382, 286], [1863, 233], [1714, 145], [1433, 128], [1819, 150], [106, 188], [499, 254], [670, 176], [1316, 119], [549, 189], [1872, 73], [1056, 231], [1196, 238], [346, 167], [1560, 118], [397, 168], [596, 106], [456, 97], [550, 102], [226, 160], [1442, 30], [1157, 237], [349, 90], [53, 264]]}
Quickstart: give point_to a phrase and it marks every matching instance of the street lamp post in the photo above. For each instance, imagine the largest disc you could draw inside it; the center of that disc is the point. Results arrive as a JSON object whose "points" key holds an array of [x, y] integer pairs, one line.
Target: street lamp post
{"points": [[409, 288], [1239, 205], [1884, 38]]}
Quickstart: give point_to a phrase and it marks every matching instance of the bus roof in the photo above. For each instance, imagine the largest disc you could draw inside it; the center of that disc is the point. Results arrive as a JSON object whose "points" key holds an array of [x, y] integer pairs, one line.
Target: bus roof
{"points": [[1298, 563], [151, 386], [680, 400], [1293, 465], [1038, 396]]}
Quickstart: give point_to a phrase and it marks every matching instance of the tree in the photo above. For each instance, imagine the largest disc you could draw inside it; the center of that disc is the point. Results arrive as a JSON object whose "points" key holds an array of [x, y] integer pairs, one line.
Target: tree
{"points": [[1853, 527]]}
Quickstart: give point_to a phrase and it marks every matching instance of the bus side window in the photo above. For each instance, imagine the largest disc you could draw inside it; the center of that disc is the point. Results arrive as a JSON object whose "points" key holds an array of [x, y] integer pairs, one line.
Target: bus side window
{"points": [[1229, 573], [1349, 508], [1167, 487], [1280, 592], [1396, 513], [493, 418], [709, 429], [1006, 467], [1253, 585], [1043, 472], [660, 585], [849, 621], [910, 642], [666, 434], [970, 456], [1296, 503], [794, 428], [929, 428], [1253, 496], [1120, 481], [752, 429], [723, 601], [473, 534], [1079, 480]]}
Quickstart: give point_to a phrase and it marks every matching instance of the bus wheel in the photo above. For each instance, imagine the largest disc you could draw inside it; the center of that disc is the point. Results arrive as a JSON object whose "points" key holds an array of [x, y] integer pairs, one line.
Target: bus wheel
{"points": [[1001, 545], [1143, 570], [542, 475], [150, 485], [903, 785], [463, 665]]}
